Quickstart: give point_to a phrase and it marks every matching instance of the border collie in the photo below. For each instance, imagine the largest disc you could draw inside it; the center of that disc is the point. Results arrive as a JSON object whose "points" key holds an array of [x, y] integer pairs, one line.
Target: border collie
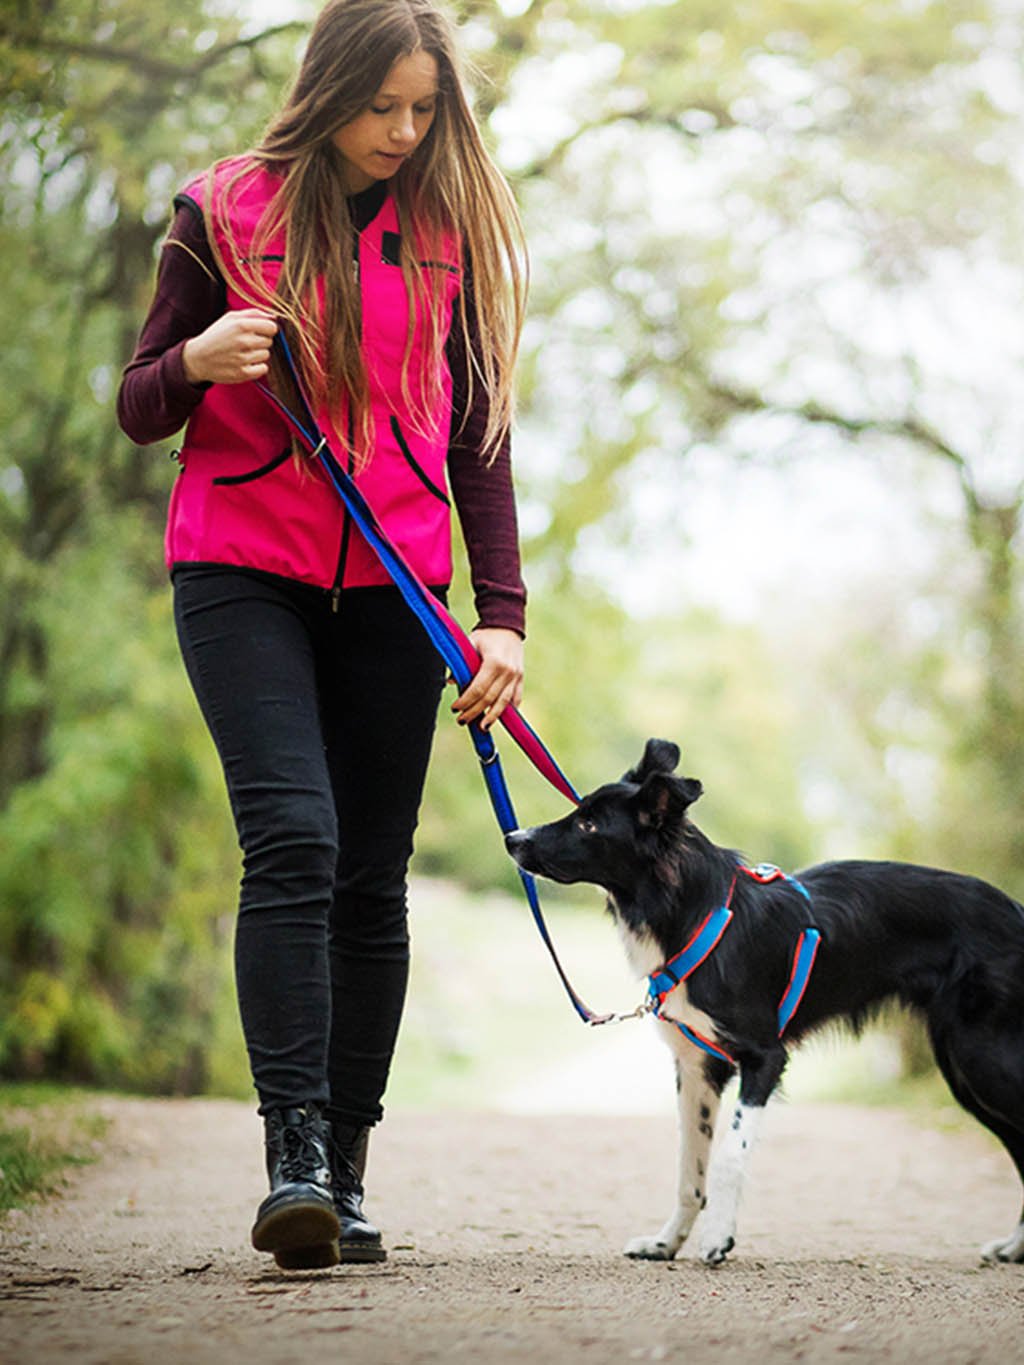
{"points": [[762, 959]]}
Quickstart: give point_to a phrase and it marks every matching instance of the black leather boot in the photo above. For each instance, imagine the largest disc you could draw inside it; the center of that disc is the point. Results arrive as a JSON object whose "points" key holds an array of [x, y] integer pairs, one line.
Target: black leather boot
{"points": [[297, 1221], [358, 1239]]}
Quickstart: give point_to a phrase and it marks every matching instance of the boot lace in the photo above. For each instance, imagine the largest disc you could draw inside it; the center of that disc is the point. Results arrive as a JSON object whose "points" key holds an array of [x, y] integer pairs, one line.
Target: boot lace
{"points": [[301, 1156]]}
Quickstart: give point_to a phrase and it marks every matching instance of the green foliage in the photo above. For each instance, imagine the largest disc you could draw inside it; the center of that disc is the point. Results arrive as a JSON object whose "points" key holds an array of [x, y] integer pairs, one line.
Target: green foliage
{"points": [[43, 1130], [785, 218], [115, 936], [731, 210], [25, 1170], [117, 863]]}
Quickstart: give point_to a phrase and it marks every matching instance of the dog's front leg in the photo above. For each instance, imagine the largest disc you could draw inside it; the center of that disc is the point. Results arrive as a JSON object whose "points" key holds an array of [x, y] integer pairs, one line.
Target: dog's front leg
{"points": [[697, 1101], [758, 1078]]}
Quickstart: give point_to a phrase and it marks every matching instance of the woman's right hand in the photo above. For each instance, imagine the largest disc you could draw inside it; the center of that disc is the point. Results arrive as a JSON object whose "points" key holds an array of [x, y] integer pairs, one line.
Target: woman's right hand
{"points": [[233, 349]]}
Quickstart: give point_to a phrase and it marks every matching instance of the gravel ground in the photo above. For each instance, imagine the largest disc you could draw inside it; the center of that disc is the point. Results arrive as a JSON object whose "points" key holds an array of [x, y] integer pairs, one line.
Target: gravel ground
{"points": [[858, 1242]]}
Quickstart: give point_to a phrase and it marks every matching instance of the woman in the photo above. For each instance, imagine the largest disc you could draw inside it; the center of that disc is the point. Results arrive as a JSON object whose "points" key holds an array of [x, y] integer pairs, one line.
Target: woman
{"points": [[371, 226]]}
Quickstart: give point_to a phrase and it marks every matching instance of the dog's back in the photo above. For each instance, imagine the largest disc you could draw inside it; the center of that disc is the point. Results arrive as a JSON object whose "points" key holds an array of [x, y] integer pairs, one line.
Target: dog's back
{"points": [[919, 935]]}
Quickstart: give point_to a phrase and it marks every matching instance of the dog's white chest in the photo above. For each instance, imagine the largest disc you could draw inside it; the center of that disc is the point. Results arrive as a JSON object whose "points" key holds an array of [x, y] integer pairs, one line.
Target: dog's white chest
{"points": [[642, 953], [645, 957]]}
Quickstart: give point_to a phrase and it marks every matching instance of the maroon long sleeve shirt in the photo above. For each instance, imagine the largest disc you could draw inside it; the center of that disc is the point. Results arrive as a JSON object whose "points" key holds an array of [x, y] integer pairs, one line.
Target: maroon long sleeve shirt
{"points": [[156, 399]]}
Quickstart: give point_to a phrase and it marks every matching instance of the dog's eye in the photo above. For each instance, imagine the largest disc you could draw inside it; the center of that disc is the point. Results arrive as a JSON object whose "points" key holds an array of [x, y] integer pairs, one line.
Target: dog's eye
{"points": [[586, 826]]}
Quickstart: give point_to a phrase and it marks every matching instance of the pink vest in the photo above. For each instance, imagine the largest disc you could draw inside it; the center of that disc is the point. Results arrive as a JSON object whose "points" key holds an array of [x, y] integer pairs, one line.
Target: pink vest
{"points": [[242, 498]]}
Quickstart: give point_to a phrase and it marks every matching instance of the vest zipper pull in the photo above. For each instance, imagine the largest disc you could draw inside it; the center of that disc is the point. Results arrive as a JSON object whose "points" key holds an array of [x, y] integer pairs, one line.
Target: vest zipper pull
{"points": [[335, 599]]}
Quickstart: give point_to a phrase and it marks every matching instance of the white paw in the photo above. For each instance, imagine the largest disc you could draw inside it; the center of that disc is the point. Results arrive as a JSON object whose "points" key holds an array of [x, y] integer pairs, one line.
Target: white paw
{"points": [[713, 1250], [648, 1249], [1005, 1248]]}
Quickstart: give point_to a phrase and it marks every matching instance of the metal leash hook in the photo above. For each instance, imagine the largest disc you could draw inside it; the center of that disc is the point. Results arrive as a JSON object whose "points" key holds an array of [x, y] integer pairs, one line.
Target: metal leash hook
{"points": [[639, 1013]]}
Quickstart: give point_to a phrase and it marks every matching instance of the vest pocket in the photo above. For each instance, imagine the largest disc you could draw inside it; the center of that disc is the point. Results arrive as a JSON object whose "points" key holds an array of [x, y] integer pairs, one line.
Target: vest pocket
{"points": [[415, 466], [251, 474]]}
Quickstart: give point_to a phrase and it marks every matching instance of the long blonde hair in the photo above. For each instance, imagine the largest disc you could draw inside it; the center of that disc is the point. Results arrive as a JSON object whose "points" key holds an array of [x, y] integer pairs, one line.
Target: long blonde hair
{"points": [[449, 186]]}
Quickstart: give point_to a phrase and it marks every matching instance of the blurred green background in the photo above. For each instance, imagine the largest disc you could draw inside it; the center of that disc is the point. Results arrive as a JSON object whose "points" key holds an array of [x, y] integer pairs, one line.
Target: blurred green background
{"points": [[770, 473]]}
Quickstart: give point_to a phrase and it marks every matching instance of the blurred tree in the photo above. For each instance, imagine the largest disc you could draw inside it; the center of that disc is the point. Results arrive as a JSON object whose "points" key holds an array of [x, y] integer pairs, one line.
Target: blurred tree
{"points": [[107, 107], [787, 229], [775, 209], [106, 789], [783, 229], [767, 228]]}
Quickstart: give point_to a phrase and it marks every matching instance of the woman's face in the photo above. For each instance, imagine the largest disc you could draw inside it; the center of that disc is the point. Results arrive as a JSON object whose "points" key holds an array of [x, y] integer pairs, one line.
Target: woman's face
{"points": [[376, 142]]}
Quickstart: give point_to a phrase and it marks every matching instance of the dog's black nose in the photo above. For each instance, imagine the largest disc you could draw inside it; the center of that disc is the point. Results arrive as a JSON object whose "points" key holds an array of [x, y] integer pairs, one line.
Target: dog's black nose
{"points": [[515, 839]]}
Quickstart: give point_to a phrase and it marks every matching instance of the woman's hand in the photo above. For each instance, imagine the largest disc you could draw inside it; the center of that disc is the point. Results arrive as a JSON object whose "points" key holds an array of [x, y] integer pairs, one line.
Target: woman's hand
{"points": [[233, 349], [499, 680]]}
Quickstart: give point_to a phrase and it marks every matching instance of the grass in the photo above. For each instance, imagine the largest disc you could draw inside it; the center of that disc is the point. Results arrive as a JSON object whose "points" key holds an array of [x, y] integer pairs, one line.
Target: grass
{"points": [[44, 1130]]}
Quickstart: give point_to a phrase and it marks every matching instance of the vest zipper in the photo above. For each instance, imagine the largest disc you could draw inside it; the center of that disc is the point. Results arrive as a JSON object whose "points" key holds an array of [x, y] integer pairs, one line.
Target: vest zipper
{"points": [[346, 526]]}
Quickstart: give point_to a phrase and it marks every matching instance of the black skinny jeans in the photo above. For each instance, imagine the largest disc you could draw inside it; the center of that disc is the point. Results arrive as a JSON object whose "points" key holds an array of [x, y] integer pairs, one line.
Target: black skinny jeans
{"points": [[323, 721]]}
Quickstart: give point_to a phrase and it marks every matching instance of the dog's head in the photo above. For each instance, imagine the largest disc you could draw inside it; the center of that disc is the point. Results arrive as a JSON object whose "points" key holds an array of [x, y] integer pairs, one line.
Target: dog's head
{"points": [[619, 835]]}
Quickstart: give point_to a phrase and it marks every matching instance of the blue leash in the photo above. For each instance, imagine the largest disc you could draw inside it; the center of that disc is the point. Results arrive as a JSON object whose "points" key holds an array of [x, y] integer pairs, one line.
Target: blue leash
{"points": [[458, 654], [444, 633]]}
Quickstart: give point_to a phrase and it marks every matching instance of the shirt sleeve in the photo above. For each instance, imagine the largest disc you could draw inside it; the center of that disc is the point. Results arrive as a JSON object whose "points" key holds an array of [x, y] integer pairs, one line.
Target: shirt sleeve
{"points": [[483, 493], [155, 399]]}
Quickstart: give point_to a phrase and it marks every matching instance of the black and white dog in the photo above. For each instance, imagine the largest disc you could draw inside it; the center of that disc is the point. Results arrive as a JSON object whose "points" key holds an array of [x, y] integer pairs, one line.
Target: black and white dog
{"points": [[949, 946]]}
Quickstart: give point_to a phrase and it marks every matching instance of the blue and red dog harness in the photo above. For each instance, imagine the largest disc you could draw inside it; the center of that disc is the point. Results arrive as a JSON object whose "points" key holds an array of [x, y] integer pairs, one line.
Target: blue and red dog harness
{"points": [[705, 939]]}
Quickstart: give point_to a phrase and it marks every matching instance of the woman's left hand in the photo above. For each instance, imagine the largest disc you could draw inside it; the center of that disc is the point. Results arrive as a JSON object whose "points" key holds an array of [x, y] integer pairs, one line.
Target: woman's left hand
{"points": [[499, 680]]}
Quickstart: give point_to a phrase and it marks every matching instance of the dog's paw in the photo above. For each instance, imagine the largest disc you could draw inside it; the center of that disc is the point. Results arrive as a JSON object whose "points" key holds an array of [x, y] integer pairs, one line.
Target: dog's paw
{"points": [[648, 1249], [1006, 1248], [715, 1252]]}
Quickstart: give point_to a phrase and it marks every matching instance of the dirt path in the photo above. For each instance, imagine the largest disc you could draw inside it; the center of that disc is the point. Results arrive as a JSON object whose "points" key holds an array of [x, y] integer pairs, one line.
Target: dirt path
{"points": [[857, 1243]]}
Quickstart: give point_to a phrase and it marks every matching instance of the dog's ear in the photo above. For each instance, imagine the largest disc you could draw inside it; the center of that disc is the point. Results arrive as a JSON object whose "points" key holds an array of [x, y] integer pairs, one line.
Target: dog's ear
{"points": [[660, 756], [663, 800]]}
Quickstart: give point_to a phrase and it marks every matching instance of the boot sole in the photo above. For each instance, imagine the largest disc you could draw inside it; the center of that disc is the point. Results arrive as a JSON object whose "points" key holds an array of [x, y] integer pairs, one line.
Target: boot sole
{"points": [[320, 1257], [329, 1254], [296, 1225], [360, 1252]]}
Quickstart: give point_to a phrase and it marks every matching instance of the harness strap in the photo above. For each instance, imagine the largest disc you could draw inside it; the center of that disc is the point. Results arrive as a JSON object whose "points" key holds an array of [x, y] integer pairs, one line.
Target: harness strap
{"points": [[768, 872], [451, 642], [703, 942], [803, 961], [662, 982], [705, 1044]]}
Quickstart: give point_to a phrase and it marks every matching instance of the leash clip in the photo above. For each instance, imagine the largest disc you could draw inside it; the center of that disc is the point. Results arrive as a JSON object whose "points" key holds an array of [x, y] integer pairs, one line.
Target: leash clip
{"points": [[641, 1010]]}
